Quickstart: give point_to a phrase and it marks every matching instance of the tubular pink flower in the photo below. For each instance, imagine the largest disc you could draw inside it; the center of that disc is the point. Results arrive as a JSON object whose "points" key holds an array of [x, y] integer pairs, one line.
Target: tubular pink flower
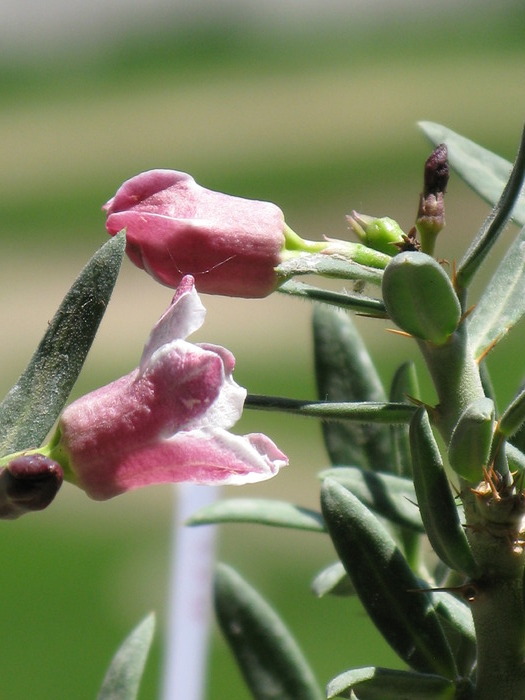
{"points": [[176, 227], [168, 420]]}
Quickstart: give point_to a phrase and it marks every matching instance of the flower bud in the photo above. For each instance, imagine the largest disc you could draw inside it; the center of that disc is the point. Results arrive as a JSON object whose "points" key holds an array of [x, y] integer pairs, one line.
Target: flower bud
{"points": [[419, 297], [431, 213], [176, 227], [28, 482], [382, 234]]}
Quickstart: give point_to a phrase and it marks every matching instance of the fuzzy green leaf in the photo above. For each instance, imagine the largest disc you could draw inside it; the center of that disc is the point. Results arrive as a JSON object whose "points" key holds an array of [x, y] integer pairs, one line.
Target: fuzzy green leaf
{"points": [[392, 497], [385, 583], [332, 580], [262, 511], [404, 385], [31, 407], [345, 372], [123, 677], [270, 660], [484, 171], [436, 503], [502, 303], [373, 683], [352, 301]]}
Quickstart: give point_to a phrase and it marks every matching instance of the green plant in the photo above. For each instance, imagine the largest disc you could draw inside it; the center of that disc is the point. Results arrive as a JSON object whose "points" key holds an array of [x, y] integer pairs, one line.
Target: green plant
{"points": [[454, 612]]}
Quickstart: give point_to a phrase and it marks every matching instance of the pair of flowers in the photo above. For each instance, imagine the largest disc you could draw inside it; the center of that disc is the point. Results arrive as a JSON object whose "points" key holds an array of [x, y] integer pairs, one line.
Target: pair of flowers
{"points": [[169, 420]]}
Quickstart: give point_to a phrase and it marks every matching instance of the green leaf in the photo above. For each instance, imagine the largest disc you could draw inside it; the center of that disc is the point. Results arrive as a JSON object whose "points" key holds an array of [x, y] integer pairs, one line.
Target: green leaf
{"points": [[345, 372], [436, 503], [484, 171], [337, 267], [270, 660], [385, 583], [31, 407], [259, 510], [123, 677], [380, 412], [352, 301], [373, 683], [458, 625], [404, 385], [392, 497], [502, 303], [332, 580]]}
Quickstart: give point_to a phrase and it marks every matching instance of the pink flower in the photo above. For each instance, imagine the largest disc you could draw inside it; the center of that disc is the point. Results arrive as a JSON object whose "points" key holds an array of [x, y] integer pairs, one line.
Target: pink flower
{"points": [[168, 420], [176, 227]]}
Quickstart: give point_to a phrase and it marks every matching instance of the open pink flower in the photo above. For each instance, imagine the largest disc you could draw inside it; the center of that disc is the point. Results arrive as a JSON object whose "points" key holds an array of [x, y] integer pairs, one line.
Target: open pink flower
{"points": [[176, 227], [168, 420]]}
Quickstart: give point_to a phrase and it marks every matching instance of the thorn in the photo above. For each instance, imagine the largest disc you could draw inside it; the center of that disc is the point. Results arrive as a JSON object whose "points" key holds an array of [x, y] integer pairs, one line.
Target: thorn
{"points": [[396, 331]]}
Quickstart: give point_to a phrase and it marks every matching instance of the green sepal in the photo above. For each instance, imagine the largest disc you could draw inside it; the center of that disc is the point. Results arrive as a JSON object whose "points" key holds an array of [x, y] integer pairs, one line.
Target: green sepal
{"points": [[345, 372], [272, 664], [436, 502], [404, 385], [261, 511], [31, 407], [374, 683], [123, 677], [471, 440], [419, 297], [392, 497], [332, 580], [385, 583]]}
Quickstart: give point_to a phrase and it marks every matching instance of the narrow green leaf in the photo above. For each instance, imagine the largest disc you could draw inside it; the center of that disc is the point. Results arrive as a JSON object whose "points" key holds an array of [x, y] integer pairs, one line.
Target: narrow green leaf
{"points": [[392, 497], [123, 677], [345, 372], [270, 660], [337, 267], [515, 454], [262, 511], [31, 407], [513, 416], [458, 625], [404, 385], [471, 440], [385, 583], [332, 580], [502, 303], [352, 301], [484, 171], [436, 502], [373, 683], [359, 412]]}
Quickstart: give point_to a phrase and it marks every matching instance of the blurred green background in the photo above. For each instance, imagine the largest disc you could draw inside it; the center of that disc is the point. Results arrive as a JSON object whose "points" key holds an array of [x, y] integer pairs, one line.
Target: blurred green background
{"points": [[317, 117]]}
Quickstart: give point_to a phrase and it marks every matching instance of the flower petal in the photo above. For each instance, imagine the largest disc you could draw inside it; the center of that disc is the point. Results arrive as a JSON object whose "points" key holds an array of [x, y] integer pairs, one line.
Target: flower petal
{"points": [[200, 457], [183, 317]]}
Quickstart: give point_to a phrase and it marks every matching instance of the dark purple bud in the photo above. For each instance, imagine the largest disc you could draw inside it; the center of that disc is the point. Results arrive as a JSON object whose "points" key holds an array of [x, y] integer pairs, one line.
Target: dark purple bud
{"points": [[436, 172], [29, 482], [431, 213]]}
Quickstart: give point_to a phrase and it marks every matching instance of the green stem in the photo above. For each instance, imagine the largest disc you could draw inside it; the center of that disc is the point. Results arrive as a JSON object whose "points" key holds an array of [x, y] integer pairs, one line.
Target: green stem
{"points": [[456, 377]]}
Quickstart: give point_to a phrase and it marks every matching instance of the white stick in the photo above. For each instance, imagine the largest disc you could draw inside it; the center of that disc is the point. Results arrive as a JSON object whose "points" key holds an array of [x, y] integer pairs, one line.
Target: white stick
{"points": [[190, 597]]}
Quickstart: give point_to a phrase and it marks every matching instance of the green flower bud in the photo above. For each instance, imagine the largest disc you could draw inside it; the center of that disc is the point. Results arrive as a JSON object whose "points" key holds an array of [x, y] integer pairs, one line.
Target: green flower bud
{"points": [[382, 234], [419, 297], [471, 441]]}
